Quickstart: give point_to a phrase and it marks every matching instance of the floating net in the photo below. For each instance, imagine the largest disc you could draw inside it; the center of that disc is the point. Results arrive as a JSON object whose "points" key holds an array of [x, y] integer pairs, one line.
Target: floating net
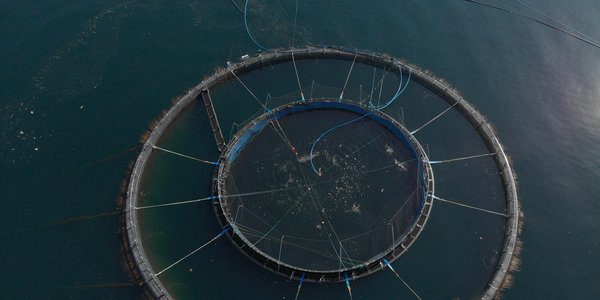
{"points": [[337, 190]]}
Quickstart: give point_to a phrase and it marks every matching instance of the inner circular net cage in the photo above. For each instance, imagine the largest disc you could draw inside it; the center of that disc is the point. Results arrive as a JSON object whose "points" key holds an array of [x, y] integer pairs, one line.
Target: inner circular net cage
{"points": [[321, 187]]}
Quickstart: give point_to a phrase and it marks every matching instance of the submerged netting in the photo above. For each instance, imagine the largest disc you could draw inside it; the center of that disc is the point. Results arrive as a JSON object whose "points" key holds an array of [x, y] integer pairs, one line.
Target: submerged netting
{"points": [[339, 189]]}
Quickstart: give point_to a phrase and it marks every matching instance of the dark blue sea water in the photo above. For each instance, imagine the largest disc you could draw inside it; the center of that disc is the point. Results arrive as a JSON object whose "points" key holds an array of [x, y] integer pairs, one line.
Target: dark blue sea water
{"points": [[80, 81]]}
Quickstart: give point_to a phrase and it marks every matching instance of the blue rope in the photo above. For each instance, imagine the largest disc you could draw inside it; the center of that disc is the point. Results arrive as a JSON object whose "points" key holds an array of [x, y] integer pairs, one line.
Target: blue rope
{"points": [[254, 39], [225, 229], [299, 286], [399, 87], [348, 286], [398, 92], [325, 133], [387, 263], [377, 108], [248, 30]]}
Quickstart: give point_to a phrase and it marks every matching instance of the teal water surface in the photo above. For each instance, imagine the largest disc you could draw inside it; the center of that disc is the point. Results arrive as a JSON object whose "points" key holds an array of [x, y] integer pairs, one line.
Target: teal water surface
{"points": [[80, 81]]}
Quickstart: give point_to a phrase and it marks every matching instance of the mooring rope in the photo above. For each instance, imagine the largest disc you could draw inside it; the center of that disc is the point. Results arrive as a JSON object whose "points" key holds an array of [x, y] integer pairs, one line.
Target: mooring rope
{"points": [[264, 192], [176, 203], [248, 89], [461, 158], [583, 39], [348, 77], [469, 206], [237, 6], [555, 20], [281, 134], [434, 118], [299, 286], [348, 286], [372, 84], [217, 197], [286, 139], [227, 228], [387, 264], [186, 156], [298, 77]]}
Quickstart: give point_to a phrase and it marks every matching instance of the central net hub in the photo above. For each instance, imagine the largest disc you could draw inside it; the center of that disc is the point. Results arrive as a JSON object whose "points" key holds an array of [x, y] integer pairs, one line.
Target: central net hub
{"points": [[323, 190]]}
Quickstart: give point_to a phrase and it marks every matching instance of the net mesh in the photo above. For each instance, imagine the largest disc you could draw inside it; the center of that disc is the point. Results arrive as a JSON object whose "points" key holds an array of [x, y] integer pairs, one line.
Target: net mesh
{"points": [[348, 204]]}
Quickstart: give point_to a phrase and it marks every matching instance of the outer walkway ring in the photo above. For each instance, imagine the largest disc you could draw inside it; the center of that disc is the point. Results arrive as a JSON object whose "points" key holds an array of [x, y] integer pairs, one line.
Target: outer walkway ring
{"points": [[135, 253]]}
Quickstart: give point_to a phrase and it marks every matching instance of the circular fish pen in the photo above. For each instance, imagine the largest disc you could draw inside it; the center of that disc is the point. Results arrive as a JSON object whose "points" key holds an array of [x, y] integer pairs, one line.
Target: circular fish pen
{"points": [[309, 146], [337, 220]]}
